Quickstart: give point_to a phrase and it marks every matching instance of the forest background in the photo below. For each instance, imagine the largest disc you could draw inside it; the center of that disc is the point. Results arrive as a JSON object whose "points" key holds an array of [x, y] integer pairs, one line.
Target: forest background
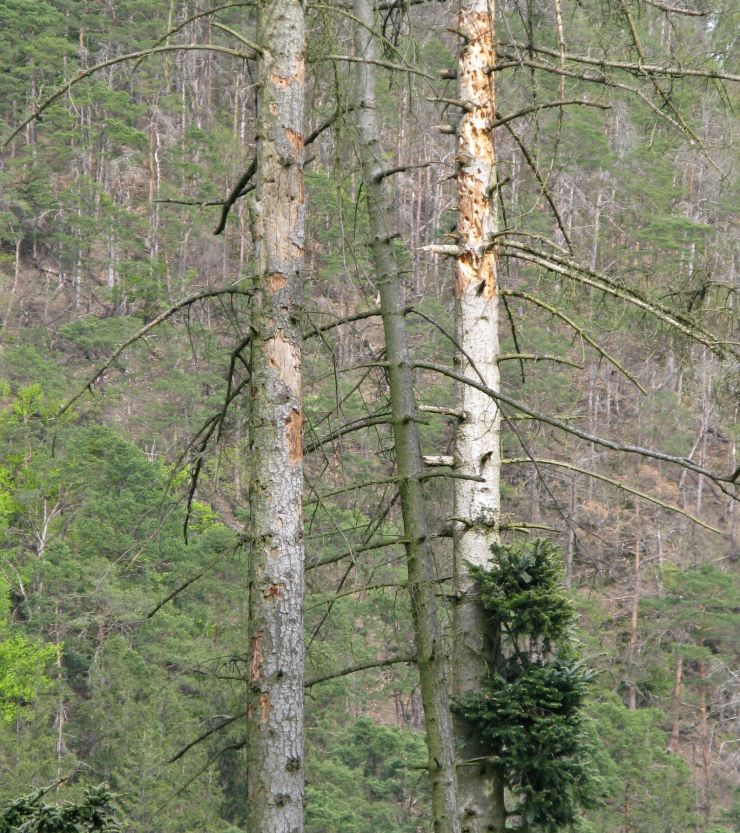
{"points": [[108, 207]]}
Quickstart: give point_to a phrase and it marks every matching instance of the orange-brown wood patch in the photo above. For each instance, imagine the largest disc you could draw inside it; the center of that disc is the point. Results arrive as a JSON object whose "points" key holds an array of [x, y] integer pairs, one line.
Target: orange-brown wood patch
{"points": [[256, 657], [294, 436]]}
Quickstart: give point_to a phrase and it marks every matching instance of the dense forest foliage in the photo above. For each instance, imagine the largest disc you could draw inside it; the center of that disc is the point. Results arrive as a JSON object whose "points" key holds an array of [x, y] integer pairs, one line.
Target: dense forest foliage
{"points": [[124, 475]]}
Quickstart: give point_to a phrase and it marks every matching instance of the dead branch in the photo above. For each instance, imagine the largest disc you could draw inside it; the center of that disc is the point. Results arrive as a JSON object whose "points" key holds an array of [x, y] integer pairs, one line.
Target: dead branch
{"points": [[612, 445], [359, 666], [618, 483], [168, 313]]}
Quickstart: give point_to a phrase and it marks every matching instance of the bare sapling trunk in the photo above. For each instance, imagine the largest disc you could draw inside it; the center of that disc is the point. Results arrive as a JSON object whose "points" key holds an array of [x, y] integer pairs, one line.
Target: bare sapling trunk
{"points": [[275, 772], [477, 452], [420, 557], [634, 616]]}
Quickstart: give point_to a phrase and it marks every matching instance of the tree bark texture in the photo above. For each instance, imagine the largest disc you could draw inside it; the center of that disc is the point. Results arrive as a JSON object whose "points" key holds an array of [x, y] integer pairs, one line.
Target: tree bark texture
{"points": [[275, 773], [477, 452], [419, 555]]}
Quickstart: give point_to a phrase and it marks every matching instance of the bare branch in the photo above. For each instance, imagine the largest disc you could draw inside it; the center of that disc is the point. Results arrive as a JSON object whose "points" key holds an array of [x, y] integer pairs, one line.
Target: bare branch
{"points": [[348, 428], [359, 666], [517, 293], [674, 10], [618, 483], [132, 56], [351, 59], [536, 107], [589, 77], [399, 169], [636, 68], [543, 184], [613, 445], [212, 731], [369, 547], [575, 271], [200, 296], [534, 357]]}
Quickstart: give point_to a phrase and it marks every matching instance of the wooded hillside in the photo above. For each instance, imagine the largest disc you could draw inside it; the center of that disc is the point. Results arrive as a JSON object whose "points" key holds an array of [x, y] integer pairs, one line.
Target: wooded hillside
{"points": [[158, 321]]}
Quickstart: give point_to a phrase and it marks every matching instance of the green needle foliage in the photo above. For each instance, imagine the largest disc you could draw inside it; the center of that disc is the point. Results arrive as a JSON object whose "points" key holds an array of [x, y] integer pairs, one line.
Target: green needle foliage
{"points": [[93, 814], [530, 708]]}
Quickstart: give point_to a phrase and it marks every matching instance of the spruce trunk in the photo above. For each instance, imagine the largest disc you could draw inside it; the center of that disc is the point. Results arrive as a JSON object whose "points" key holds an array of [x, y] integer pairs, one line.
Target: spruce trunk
{"points": [[275, 774], [419, 555], [477, 453]]}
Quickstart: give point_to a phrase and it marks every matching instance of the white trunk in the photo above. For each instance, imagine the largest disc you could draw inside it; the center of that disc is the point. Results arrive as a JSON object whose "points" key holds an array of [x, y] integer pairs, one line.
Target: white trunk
{"points": [[477, 452]]}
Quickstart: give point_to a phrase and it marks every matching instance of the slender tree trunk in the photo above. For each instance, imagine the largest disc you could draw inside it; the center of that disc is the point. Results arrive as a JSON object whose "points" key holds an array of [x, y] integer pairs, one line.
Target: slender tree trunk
{"points": [[477, 453], [420, 557], [634, 616], [276, 581], [706, 741], [676, 728]]}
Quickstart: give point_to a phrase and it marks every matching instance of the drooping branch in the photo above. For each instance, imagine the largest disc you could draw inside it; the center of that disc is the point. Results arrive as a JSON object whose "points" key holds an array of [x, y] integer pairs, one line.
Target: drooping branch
{"points": [[526, 296], [575, 271], [120, 59], [633, 67], [365, 665], [612, 445], [168, 313], [617, 483]]}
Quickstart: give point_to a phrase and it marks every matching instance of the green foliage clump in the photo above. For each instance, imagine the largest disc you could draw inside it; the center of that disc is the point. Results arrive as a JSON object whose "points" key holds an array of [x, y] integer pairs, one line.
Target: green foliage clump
{"points": [[22, 665], [93, 814], [522, 592], [530, 712]]}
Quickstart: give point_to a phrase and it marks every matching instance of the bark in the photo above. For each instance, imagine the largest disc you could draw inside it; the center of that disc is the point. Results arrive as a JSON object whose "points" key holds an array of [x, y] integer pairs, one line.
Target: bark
{"points": [[634, 617], [706, 741], [275, 773], [477, 453], [676, 728], [430, 655]]}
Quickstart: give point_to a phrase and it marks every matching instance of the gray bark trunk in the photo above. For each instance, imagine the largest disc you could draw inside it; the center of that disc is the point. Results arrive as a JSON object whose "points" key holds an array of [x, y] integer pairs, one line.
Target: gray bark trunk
{"points": [[275, 773], [419, 554], [477, 453]]}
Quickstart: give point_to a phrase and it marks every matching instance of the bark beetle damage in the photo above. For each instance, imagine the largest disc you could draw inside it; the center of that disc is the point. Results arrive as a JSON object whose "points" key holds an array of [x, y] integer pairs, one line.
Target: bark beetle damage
{"points": [[285, 358], [294, 436], [274, 591], [265, 704], [295, 139], [280, 81], [476, 265], [275, 282], [298, 75], [256, 657]]}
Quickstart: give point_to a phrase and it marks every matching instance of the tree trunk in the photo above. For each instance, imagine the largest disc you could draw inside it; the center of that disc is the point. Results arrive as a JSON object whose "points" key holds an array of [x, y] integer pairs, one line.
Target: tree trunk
{"points": [[706, 741], [419, 555], [634, 616], [676, 728], [275, 696], [477, 453]]}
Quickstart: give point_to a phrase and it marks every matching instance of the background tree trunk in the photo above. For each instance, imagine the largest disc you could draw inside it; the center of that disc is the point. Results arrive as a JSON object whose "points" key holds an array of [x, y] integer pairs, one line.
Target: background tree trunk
{"points": [[422, 574]]}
